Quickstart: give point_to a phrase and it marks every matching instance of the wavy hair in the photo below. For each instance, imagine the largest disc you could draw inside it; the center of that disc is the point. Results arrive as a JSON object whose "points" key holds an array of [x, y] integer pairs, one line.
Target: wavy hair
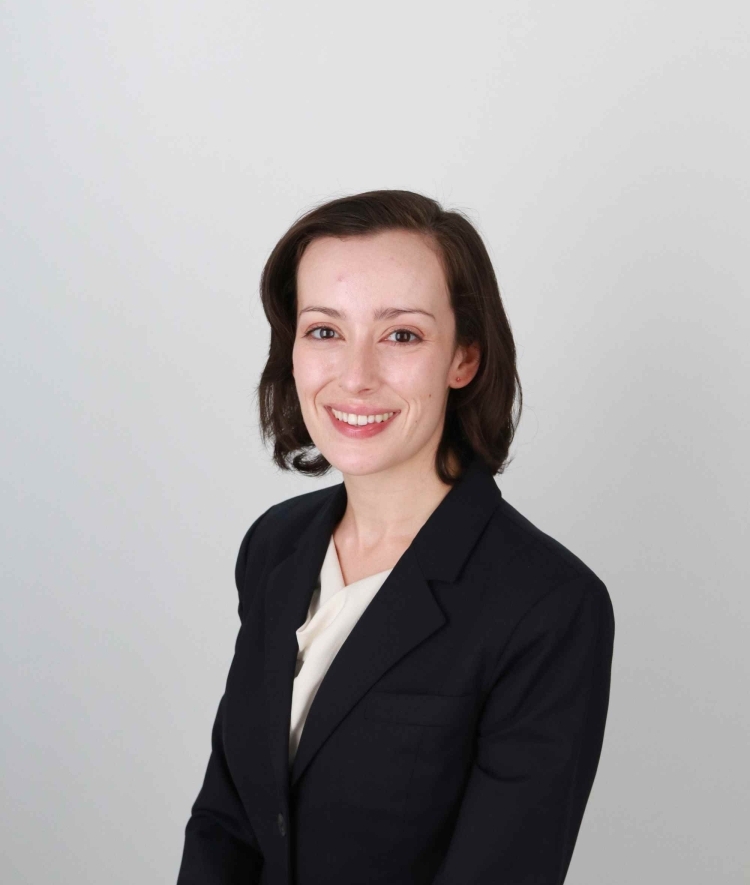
{"points": [[482, 417]]}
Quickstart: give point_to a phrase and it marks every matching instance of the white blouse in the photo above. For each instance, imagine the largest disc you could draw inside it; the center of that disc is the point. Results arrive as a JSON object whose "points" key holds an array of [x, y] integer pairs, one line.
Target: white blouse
{"points": [[334, 609]]}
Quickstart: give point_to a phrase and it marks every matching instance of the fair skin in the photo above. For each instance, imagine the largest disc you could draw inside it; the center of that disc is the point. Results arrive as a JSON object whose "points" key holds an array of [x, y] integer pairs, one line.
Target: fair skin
{"points": [[348, 359]]}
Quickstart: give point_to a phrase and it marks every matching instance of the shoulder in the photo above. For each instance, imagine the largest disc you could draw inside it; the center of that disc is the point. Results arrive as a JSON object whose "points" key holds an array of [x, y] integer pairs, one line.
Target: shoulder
{"points": [[537, 594], [271, 536], [527, 565], [531, 544]]}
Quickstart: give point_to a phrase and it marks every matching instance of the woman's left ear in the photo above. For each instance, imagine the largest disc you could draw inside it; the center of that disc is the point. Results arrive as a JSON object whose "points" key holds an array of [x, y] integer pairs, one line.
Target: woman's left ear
{"points": [[469, 365]]}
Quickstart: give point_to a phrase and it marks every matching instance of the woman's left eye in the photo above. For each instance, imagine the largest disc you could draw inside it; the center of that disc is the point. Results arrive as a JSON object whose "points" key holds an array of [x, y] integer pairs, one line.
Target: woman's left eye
{"points": [[405, 332]]}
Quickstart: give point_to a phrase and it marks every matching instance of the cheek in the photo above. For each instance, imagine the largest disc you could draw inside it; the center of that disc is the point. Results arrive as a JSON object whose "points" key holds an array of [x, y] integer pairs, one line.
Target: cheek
{"points": [[420, 379], [307, 369]]}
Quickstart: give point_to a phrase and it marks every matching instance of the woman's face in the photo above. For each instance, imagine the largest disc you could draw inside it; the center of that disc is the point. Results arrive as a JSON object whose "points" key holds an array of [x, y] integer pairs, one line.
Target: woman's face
{"points": [[375, 343]]}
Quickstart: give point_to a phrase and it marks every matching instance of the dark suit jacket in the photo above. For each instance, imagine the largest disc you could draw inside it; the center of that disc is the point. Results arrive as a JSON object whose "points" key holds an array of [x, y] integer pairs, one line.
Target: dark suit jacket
{"points": [[455, 737]]}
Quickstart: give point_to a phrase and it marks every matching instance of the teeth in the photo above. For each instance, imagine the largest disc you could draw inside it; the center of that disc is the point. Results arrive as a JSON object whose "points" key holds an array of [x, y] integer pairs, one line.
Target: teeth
{"points": [[361, 419]]}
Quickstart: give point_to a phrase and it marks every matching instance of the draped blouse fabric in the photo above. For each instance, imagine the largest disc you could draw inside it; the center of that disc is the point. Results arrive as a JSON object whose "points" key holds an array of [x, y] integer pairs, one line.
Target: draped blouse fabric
{"points": [[334, 610]]}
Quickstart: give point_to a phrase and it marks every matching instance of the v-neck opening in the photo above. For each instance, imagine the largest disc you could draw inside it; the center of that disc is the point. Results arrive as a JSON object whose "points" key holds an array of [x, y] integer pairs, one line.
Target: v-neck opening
{"points": [[340, 582]]}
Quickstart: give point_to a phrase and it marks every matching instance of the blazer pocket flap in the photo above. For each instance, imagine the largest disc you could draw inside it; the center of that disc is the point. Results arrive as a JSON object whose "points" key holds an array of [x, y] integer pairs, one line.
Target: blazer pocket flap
{"points": [[417, 709]]}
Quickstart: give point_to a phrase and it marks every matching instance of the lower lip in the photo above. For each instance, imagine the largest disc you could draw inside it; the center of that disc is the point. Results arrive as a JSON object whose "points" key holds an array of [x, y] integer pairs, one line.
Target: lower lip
{"points": [[360, 431]]}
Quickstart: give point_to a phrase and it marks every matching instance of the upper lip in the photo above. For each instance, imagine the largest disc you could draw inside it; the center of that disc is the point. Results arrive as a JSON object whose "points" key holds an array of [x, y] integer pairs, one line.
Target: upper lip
{"points": [[361, 410]]}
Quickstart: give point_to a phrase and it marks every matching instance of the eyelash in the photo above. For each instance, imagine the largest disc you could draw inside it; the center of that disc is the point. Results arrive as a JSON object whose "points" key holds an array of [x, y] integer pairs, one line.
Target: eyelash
{"points": [[309, 332]]}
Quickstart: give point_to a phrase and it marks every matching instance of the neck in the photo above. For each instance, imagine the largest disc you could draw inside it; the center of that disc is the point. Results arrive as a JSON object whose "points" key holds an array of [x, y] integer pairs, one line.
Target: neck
{"points": [[390, 506]]}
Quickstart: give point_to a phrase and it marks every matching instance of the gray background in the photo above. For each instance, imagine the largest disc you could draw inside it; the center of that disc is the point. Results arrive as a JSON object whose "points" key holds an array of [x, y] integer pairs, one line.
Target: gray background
{"points": [[152, 155]]}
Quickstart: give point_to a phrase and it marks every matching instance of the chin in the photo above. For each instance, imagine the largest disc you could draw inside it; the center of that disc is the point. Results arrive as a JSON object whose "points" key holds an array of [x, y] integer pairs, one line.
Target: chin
{"points": [[360, 464]]}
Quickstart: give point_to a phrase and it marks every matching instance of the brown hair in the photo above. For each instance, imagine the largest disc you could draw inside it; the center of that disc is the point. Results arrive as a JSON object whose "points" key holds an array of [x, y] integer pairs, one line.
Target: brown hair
{"points": [[479, 417]]}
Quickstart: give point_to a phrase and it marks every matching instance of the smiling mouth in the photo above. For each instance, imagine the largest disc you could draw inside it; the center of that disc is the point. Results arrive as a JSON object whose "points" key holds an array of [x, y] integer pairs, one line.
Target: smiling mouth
{"points": [[361, 420]]}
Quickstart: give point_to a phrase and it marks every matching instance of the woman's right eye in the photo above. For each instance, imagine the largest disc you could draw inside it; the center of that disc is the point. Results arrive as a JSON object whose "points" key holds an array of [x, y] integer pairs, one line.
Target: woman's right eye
{"points": [[309, 332]]}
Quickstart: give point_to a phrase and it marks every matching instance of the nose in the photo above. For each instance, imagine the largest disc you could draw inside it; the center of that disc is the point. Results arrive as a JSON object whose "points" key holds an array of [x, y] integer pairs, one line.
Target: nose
{"points": [[359, 370]]}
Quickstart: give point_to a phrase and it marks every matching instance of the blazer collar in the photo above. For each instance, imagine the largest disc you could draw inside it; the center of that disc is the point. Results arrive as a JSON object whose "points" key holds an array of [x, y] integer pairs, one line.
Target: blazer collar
{"points": [[402, 614]]}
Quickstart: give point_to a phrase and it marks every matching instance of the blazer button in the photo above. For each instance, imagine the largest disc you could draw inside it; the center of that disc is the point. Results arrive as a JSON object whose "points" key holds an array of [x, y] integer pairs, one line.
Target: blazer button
{"points": [[281, 824]]}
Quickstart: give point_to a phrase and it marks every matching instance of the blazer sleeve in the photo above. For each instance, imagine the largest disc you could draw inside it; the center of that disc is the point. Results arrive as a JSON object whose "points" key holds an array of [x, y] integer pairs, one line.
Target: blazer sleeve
{"points": [[539, 739], [220, 847]]}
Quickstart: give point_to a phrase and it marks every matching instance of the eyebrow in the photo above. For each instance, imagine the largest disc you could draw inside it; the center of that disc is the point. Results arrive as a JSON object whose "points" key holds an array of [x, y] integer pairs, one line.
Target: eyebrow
{"points": [[382, 313]]}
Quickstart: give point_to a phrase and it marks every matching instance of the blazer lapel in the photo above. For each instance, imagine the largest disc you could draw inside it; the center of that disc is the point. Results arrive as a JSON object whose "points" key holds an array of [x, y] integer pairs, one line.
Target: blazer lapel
{"points": [[402, 613], [287, 599]]}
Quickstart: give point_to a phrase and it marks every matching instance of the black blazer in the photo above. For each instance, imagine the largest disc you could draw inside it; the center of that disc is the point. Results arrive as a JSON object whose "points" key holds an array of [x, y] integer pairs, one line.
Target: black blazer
{"points": [[455, 737]]}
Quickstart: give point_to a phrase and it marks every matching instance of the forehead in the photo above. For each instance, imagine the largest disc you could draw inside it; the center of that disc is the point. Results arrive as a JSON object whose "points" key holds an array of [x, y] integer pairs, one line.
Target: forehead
{"points": [[389, 263]]}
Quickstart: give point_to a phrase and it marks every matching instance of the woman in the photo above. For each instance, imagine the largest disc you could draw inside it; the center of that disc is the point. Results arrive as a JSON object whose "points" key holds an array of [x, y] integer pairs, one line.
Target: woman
{"points": [[421, 677]]}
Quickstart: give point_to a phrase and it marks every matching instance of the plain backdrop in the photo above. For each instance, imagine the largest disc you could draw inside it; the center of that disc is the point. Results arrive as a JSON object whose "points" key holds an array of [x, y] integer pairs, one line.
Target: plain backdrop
{"points": [[151, 156]]}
